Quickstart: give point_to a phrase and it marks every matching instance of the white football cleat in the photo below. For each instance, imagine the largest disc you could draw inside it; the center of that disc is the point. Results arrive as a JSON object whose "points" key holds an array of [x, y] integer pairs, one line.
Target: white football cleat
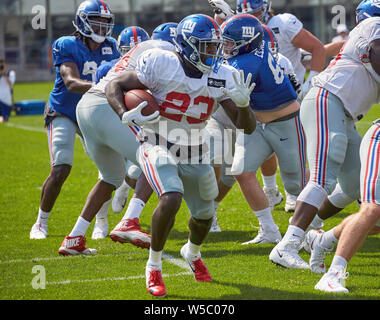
{"points": [[274, 196], [290, 203], [215, 226], [39, 231], [285, 254], [318, 252], [72, 246], [100, 229], [272, 236], [333, 281], [120, 198]]}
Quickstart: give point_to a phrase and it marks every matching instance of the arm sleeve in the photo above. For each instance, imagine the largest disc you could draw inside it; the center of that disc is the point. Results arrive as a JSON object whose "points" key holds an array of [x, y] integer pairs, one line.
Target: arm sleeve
{"points": [[62, 52], [291, 26]]}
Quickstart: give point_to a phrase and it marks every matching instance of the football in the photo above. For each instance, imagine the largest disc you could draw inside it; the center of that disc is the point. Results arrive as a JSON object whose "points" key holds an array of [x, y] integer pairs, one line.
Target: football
{"points": [[134, 97]]}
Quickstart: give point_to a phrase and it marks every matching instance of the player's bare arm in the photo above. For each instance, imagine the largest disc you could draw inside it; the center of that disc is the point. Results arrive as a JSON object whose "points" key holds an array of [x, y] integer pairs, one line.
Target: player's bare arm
{"points": [[243, 118], [116, 89], [333, 48], [70, 75], [374, 55], [307, 41]]}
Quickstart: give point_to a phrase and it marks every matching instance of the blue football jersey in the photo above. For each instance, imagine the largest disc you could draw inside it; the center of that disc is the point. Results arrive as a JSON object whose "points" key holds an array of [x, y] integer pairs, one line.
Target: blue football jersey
{"points": [[71, 49], [103, 69], [273, 87]]}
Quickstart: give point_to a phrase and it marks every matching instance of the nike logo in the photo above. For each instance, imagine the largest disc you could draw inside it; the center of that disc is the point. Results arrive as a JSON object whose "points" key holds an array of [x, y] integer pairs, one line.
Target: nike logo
{"points": [[134, 122], [296, 235], [283, 139], [279, 254]]}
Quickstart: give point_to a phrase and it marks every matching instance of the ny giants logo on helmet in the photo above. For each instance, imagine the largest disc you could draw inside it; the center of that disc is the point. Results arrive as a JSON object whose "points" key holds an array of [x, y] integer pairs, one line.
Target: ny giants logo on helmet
{"points": [[189, 26], [248, 32]]}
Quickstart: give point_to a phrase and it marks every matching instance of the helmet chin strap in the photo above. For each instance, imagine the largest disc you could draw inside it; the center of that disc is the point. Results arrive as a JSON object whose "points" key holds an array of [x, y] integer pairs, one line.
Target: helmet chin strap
{"points": [[97, 38]]}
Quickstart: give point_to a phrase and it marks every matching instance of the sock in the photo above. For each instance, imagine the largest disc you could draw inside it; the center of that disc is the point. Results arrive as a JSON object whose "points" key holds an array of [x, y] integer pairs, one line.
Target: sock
{"points": [[103, 211], [338, 263], [135, 207], [154, 257], [293, 233], [265, 219], [43, 217], [124, 186], [193, 248], [269, 182], [328, 239], [216, 205], [80, 227], [317, 222]]}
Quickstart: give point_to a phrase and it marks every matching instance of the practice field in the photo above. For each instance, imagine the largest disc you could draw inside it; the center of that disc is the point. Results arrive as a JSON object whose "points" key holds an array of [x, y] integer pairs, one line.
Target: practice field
{"points": [[117, 272]]}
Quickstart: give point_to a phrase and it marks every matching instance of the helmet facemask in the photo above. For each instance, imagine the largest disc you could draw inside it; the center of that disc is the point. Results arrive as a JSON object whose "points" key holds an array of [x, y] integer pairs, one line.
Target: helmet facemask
{"points": [[95, 29]]}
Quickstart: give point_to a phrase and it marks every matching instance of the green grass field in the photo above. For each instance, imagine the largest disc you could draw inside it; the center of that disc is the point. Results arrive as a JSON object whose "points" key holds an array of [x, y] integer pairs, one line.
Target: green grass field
{"points": [[117, 271]]}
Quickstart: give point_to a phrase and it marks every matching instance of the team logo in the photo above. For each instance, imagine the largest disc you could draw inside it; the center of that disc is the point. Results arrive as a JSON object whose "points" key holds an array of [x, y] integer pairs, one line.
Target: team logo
{"points": [[248, 32], [189, 26], [173, 32]]}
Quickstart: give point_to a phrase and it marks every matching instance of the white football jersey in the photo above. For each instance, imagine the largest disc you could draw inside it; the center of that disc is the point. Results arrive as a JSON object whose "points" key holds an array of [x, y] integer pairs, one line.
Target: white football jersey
{"points": [[286, 26], [347, 77], [285, 64], [128, 62], [186, 103]]}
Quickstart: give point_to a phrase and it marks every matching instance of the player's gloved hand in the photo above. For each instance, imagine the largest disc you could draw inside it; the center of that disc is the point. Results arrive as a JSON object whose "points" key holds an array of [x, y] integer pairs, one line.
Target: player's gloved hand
{"points": [[307, 85], [241, 93], [295, 83], [221, 8], [134, 117]]}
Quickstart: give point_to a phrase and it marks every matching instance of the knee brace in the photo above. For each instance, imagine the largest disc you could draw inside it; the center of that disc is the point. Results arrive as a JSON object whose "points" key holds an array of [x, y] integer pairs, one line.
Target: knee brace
{"points": [[208, 186], [339, 199]]}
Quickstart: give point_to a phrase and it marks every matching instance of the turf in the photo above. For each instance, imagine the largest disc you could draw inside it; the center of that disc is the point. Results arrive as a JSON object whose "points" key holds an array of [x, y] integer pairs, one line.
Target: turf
{"points": [[117, 271]]}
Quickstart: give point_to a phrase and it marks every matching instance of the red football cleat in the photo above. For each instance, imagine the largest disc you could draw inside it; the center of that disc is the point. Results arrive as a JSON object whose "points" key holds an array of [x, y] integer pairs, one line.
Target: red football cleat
{"points": [[75, 245], [154, 283], [129, 231], [197, 265]]}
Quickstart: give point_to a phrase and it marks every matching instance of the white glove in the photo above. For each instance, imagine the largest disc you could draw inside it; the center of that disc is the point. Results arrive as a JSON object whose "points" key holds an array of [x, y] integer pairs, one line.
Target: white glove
{"points": [[241, 93], [221, 8], [135, 118], [307, 84]]}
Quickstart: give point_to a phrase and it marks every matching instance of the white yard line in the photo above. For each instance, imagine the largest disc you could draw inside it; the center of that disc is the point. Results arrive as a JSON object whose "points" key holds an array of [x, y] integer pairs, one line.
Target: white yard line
{"points": [[178, 262], [19, 126]]}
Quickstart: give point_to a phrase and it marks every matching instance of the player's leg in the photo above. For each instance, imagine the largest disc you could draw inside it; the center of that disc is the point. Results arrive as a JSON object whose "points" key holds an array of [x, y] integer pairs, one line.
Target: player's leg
{"points": [[247, 160], [61, 138], [268, 175], [323, 119], [128, 229], [200, 189]]}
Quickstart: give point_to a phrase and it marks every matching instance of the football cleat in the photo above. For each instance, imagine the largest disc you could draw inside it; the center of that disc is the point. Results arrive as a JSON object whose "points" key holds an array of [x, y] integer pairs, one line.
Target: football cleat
{"points": [[39, 231], [285, 254], [75, 245], [265, 237], [215, 226], [318, 253], [100, 229], [197, 265], [290, 203], [120, 198], [274, 196], [129, 231], [154, 283], [333, 281]]}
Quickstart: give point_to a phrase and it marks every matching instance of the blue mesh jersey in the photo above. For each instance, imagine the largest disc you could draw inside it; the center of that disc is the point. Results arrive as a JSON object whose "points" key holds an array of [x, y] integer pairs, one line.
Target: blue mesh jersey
{"points": [[71, 49], [103, 69], [273, 87]]}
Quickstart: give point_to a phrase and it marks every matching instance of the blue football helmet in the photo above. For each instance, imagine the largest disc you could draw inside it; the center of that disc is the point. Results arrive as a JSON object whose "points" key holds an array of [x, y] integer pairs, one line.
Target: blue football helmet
{"points": [[367, 9], [87, 23], [166, 32], [242, 33], [271, 40], [130, 37], [259, 8], [199, 40]]}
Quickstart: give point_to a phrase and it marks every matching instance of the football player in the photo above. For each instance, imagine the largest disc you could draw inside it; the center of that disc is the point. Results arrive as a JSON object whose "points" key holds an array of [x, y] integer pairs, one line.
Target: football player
{"points": [[109, 144], [187, 86], [278, 130], [328, 114], [76, 59]]}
